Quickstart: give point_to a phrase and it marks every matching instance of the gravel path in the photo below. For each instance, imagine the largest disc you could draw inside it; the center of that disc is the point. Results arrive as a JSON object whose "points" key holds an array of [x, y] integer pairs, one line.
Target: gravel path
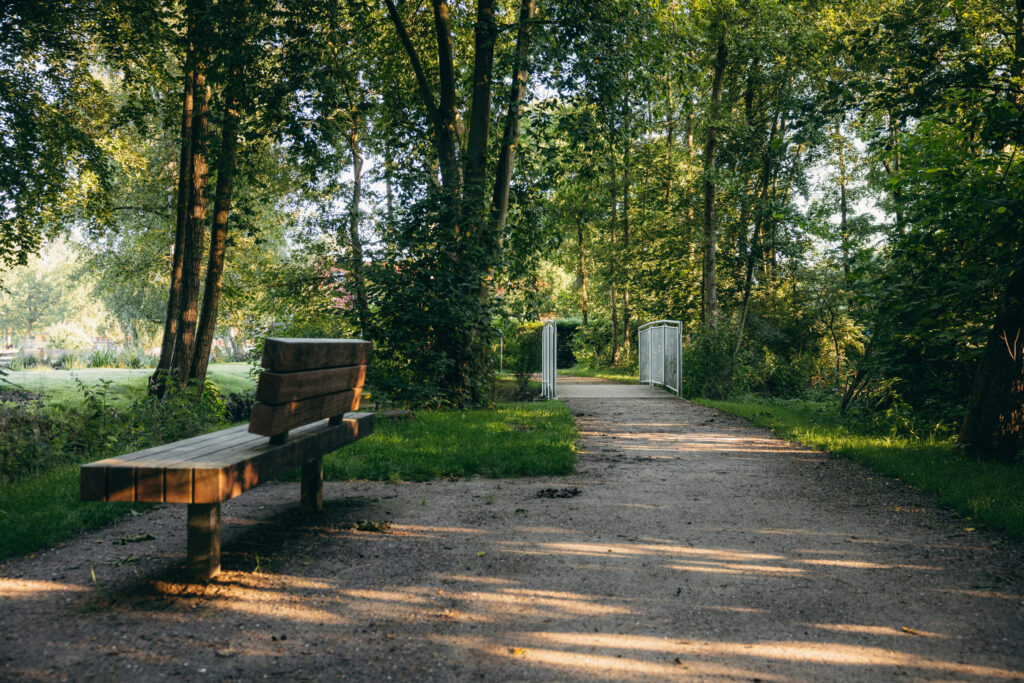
{"points": [[697, 547]]}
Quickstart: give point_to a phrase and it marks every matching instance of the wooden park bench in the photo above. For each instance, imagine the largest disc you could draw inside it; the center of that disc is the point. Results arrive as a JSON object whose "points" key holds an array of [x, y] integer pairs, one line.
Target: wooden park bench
{"points": [[7, 357], [304, 382]]}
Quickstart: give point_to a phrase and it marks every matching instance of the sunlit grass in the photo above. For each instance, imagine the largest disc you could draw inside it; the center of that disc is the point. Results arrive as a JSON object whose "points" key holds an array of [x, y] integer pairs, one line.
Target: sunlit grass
{"points": [[61, 385], [623, 375], [511, 440], [988, 493]]}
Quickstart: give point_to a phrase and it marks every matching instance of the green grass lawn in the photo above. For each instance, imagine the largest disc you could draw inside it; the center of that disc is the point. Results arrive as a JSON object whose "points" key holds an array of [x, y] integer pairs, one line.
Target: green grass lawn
{"points": [[989, 494], [60, 385], [510, 440], [611, 374], [513, 439]]}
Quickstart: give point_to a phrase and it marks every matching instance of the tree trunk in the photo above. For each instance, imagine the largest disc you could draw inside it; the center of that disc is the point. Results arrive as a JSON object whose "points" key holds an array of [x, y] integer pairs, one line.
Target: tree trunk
{"points": [[581, 275], [475, 156], [993, 425], [626, 270], [218, 233], [447, 115], [611, 265], [754, 244], [195, 233], [844, 225], [708, 280], [510, 139], [354, 240], [158, 382]]}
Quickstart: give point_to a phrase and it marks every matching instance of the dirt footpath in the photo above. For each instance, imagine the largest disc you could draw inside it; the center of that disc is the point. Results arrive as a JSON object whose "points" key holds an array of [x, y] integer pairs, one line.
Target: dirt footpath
{"points": [[697, 547]]}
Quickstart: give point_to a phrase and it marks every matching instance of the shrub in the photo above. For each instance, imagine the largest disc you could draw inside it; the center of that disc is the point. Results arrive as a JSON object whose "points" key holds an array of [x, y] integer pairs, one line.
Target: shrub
{"points": [[102, 358], [706, 365], [69, 361], [38, 436], [591, 344], [135, 358], [523, 350]]}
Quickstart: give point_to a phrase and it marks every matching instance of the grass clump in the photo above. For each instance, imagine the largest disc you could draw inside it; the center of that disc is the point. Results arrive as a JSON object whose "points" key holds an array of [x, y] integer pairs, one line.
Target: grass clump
{"points": [[44, 509], [991, 494], [510, 440]]}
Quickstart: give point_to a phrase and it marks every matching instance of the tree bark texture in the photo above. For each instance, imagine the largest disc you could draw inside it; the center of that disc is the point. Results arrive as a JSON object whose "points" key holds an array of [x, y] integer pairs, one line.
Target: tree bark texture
{"points": [[158, 382], [475, 157], [510, 139], [708, 279], [581, 274], [354, 240], [195, 232], [626, 180], [218, 233], [613, 303]]}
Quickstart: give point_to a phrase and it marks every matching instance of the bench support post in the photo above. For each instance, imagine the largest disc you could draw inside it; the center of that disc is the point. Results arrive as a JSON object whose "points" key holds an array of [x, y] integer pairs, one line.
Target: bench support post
{"points": [[203, 540], [312, 495]]}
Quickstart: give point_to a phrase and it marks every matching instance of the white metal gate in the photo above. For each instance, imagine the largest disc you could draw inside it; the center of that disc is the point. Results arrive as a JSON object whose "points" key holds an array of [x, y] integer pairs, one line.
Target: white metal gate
{"points": [[660, 346], [549, 360]]}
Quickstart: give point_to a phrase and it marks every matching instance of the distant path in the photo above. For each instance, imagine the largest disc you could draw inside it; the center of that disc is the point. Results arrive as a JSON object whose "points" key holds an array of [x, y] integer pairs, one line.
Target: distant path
{"points": [[698, 547]]}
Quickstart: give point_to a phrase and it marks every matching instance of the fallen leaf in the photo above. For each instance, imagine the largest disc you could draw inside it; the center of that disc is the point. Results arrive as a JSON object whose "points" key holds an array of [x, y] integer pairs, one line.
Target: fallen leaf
{"points": [[135, 538], [911, 631], [481, 553], [518, 650]]}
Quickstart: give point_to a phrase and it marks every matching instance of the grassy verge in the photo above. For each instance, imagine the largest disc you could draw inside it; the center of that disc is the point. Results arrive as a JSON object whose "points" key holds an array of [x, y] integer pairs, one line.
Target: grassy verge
{"points": [[612, 374], [988, 493], [44, 509], [511, 440]]}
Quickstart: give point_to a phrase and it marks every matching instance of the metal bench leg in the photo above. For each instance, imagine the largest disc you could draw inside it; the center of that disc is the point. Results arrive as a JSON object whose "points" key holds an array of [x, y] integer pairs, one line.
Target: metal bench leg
{"points": [[312, 495], [203, 540]]}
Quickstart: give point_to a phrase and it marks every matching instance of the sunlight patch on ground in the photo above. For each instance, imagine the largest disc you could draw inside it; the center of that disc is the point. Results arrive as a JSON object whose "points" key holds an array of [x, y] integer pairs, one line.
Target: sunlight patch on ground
{"points": [[26, 588], [856, 564], [874, 630]]}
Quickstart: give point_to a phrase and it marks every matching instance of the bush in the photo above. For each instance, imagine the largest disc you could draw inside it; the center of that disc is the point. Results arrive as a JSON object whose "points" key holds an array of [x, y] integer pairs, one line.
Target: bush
{"points": [[102, 358], [39, 437], [135, 358], [706, 365], [69, 361], [592, 344], [524, 350]]}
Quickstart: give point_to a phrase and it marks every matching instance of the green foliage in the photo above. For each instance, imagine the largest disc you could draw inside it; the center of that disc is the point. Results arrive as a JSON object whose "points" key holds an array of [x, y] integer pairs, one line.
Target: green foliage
{"points": [[706, 365], [103, 358], [96, 422], [510, 440], [523, 348], [592, 344]]}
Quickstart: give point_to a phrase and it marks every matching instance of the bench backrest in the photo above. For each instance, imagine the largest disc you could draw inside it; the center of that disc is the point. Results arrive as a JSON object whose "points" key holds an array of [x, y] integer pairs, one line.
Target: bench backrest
{"points": [[307, 380]]}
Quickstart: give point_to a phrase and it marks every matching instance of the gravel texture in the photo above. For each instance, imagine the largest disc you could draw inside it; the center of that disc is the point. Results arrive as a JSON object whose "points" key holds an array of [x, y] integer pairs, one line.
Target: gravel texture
{"points": [[696, 547]]}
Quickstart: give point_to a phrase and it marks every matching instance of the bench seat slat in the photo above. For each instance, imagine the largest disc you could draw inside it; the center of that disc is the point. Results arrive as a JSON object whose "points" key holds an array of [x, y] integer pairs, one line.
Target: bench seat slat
{"points": [[219, 475], [278, 387]]}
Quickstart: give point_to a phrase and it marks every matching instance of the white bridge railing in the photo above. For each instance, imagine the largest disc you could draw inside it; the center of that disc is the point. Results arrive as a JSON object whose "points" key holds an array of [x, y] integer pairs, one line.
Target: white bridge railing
{"points": [[549, 360], [660, 348]]}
